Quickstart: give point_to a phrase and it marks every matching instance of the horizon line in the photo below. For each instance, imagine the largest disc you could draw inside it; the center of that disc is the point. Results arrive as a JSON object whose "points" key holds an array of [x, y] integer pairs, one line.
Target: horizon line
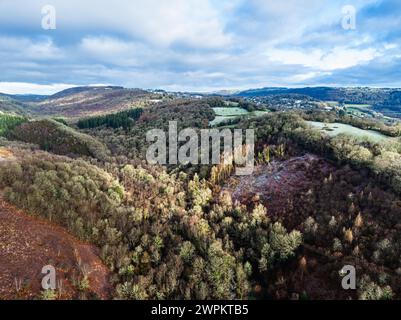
{"points": [[51, 89]]}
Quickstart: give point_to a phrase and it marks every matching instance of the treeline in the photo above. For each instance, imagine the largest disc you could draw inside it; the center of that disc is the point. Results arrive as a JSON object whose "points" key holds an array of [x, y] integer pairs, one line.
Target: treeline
{"points": [[123, 119], [365, 124], [391, 105], [9, 121], [51, 135]]}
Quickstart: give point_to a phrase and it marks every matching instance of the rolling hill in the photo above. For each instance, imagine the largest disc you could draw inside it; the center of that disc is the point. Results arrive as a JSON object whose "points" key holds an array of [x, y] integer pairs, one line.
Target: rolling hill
{"points": [[346, 95], [84, 101], [11, 105], [76, 102], [59, 138], [384, 100]]}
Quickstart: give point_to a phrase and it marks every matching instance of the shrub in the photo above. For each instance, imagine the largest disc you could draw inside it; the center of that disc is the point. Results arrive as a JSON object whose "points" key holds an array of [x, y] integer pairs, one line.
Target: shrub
{"points": [[369, 290], [48, 295]]}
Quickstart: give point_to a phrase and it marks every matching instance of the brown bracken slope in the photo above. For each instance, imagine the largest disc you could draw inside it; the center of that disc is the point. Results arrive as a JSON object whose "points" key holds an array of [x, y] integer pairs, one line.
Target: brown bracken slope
{"points": [[28, 243]]}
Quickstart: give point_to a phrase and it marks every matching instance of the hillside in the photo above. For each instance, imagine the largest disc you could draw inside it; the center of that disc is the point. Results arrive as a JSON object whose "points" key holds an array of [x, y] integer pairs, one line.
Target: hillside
{"points": [[89, 101], [131, 142], [313, 203], [11, 105], [27, 240], [333, 207], [346, 95], [383, 100], [28, 97], [77, 102], [56, 137], [9, 122], [34, 242]]}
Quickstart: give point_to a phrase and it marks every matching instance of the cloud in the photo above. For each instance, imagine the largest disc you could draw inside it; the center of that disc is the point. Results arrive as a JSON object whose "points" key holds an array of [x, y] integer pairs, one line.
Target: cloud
{"points": [[200, 44], [113, 51], [194, 23], [334, 59], [41, 49], [27, 88]]}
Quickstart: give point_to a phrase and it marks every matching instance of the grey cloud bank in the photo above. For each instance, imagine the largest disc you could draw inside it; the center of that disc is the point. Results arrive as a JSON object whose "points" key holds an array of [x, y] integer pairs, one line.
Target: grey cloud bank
{"points": [[198, 45]]}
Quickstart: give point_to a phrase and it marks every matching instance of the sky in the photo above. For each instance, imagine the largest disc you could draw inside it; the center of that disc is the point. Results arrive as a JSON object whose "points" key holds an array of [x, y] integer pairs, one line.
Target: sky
{"points": [[198, 45]]}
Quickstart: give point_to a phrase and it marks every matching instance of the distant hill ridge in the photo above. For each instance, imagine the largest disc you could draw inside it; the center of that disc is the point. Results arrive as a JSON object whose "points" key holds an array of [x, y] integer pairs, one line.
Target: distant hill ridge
{"points": [[344, 94], [79, 102], [88, 89], [76, 102]]}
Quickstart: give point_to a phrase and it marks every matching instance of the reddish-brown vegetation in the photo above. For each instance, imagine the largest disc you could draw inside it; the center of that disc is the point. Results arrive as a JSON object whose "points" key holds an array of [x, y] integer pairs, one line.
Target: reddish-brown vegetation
{"points": [[29, 243]]}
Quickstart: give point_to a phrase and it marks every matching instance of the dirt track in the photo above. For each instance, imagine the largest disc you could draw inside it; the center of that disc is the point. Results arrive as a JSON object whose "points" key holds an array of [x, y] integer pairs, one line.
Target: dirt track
{"points": [[28, 243]]}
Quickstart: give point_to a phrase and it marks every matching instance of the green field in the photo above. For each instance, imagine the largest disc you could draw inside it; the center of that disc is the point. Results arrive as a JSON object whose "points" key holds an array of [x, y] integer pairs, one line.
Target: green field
{"points": [[334, 129], [333, 103], [353, 105], [230, 113]]}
